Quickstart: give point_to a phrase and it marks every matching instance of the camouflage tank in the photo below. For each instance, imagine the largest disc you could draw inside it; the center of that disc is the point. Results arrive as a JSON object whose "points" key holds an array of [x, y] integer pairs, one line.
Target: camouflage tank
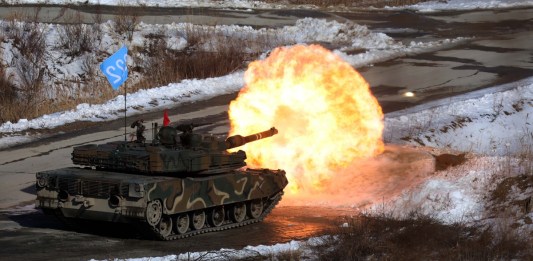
{"points": [[174, 186]]}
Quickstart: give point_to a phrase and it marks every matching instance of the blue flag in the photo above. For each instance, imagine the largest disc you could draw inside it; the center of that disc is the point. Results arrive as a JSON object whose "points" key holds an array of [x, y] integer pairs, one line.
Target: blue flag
{"points": [[115, 68]]}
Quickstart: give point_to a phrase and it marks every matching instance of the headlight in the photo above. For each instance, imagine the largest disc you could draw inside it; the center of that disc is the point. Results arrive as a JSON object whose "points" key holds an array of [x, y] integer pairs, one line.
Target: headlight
{"points": [[63, 195], [114, 201], [42, 181]]}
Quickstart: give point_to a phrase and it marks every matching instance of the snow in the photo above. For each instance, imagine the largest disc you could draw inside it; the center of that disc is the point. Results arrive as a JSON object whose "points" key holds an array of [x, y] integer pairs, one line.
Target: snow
{"points": [[479, 122], [242, 4], [451, 196], [429, 6], [185, 91], [380, 47], [267, 252], [433, 6]]}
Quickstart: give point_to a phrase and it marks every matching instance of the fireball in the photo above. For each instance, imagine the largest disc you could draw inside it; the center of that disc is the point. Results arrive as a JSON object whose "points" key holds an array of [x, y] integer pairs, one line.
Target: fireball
{"points": [[324, 111]]}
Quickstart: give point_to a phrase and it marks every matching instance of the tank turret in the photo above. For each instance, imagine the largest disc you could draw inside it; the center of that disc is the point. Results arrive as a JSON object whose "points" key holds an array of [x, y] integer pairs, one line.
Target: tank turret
{"points": [[172, 153]]}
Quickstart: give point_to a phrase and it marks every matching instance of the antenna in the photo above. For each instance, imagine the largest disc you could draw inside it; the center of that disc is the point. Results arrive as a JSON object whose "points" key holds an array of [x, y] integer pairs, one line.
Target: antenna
{"points": [[154, 132]]}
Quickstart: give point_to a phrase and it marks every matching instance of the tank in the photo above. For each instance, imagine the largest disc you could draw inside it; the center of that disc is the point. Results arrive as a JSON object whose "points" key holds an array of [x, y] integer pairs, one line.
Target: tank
{"points": [[178, 185]]}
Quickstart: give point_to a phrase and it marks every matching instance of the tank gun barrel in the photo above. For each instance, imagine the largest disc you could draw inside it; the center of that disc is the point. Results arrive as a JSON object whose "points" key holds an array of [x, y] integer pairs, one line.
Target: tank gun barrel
{"points": [[238, 140]]}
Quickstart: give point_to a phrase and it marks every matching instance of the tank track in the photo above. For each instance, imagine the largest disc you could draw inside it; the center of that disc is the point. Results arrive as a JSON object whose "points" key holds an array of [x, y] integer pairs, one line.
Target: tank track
{"points": [[270, 204], [153, 232]]}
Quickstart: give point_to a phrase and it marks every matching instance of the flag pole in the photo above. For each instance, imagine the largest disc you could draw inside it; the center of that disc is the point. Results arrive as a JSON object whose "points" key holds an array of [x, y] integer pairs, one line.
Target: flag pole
{"points": [[111, 68], [125, 116], [125, 77]]}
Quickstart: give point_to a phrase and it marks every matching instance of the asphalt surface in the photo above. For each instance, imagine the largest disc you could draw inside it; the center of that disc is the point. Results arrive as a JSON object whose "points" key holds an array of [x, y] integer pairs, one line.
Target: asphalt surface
{"points": [[34, 236]]}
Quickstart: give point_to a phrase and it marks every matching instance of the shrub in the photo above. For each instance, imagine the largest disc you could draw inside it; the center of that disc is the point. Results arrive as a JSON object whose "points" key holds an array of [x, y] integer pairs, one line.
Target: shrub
{"points": [[29, 66], [8, 98], [125, 21], [38, 90], [354, 3], [418, 237], [76, 37]]}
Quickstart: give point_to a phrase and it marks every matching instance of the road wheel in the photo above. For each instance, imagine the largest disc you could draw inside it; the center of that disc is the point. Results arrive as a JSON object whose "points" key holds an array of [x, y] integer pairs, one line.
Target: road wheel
{"points": [[165, 226], [216, 216], [238, 212], [198, 220], [182, 224], [255, 208], [154, 212]]}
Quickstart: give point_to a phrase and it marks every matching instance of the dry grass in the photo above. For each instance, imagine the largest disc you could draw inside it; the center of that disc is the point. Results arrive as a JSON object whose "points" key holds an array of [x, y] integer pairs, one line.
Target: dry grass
{"points": [[156, 66], [511, 200], [8, 98], [29, 67], [126, 21], [525, 155], [418, 238], [224, 55], [77, 38], [25, 94], [209, 53], [421, 237], [350, 3]]}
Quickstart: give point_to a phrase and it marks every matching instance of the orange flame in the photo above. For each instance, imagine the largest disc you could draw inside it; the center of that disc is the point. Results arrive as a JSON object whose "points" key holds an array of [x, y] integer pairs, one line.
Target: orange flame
{"points": [[323, 109]]}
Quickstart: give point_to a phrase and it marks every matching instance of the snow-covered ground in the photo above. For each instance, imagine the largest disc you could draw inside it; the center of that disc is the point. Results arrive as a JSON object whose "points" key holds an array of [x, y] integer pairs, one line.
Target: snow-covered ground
{"points": [[433, 6], [494, 121], [250, 252], [428, 6], [379, 47], [492, 125]]}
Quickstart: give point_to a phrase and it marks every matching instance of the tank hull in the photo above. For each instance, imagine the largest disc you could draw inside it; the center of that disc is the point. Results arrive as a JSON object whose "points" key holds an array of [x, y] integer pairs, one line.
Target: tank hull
{"points": [[160, 202], [157, 160]]}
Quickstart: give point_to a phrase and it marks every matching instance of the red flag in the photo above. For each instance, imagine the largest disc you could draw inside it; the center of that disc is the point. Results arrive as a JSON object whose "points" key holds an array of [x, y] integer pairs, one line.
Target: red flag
{"points": [[166, 120]]}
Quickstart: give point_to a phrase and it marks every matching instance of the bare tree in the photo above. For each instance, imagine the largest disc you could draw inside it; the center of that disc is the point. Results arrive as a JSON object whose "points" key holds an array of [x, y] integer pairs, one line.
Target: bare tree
{"points": [[76, 37], [126, 21]]}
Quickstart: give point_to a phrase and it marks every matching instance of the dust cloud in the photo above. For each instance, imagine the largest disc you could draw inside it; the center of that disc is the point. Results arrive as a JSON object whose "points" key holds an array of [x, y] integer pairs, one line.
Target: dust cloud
{"points": [[369, 181]]}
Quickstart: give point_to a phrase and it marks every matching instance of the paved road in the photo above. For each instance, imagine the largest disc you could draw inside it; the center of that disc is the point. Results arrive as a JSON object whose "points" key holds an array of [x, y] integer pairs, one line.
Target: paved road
{"points": [[30, 235], [499, 50], [157, 15]]}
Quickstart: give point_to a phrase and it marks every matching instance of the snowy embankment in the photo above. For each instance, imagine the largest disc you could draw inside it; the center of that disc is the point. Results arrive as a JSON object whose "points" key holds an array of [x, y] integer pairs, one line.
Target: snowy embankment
{"points": [[348, 36], [495, 121], [429, 6], [434, 6], [249, 252], [242, 4], [494, 124]]}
